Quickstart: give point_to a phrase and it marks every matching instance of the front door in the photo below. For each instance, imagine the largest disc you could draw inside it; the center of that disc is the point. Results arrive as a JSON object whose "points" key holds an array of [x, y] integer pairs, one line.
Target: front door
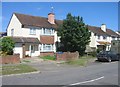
{"points": [[32, 50]]}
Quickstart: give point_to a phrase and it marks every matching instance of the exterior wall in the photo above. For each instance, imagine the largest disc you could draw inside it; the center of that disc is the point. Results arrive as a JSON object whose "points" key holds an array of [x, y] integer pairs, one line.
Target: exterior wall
{"points": [[92, 40], [16, 25], [67, 56], [10, 59], [18, 49]]}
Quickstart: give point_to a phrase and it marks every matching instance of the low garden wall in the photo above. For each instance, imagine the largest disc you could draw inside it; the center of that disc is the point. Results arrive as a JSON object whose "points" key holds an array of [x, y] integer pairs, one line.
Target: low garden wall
{"points": [[10, 59], [67, 55]]}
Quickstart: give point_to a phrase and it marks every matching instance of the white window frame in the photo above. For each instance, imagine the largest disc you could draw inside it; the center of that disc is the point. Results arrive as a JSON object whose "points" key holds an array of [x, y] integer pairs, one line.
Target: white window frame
{"points": [[32, 31], [12, 32], [47, 31], [45, 47]]}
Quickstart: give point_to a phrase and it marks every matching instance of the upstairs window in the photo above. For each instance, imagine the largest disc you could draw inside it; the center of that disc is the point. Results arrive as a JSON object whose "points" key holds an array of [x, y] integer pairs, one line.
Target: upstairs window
{"points": [[98, 36], [113, 38], [48, 31], [104, 37], [12, 32], [32, 31]]}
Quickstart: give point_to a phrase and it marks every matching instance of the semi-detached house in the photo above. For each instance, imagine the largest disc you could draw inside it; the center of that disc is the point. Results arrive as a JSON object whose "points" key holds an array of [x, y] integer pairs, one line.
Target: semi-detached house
{"points": [[36, 35], [33, 35]]}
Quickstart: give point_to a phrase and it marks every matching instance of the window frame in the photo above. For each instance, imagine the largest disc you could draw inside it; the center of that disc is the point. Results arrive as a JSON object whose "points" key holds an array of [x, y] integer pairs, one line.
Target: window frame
{"points": [[32, 31], [12, 32]]}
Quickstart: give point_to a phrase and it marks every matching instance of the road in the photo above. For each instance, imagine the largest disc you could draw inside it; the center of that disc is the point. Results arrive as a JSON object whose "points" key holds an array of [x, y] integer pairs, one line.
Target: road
{"points": [[54, 74]]}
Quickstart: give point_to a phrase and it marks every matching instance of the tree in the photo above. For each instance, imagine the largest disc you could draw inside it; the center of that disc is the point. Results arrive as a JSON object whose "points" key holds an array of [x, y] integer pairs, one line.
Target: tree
{"points": [[74, 34], [7, 45]]}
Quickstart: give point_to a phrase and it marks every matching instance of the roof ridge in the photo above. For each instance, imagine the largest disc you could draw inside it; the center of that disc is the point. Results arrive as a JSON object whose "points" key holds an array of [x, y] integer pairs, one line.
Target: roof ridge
{"points": [[29, 15]]}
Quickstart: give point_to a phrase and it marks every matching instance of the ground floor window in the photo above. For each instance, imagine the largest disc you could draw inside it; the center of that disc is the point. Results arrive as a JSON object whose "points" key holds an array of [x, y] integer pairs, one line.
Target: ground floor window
{"points": [[47, 47]]}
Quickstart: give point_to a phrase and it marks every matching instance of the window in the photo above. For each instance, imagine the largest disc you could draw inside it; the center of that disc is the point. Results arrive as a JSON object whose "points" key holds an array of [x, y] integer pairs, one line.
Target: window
{"points": [[95, 34], [32, 31], [47, 47], [104, 37], [113, 38], [98, 36], [48, 31], [12, 32]]}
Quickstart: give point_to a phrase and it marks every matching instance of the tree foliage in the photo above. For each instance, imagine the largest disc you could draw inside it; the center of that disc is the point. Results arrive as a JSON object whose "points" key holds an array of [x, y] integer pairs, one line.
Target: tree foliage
{"points": [[74, 34], [7, 45]]}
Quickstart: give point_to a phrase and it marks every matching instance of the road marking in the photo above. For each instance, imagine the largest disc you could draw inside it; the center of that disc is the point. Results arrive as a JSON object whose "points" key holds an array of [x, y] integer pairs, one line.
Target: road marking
{"points": [[87, 81]]}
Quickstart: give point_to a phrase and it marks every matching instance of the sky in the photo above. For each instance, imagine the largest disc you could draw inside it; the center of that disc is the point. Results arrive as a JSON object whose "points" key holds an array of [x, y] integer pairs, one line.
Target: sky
{"points": [[93, 13]]}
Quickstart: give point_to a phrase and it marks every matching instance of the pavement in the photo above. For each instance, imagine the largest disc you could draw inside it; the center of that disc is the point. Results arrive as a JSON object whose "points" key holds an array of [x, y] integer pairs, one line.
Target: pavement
{"points": [[52, 73]]}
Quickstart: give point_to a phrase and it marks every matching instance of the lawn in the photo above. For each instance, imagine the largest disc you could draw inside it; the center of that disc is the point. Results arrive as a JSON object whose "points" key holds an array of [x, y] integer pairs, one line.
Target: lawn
{"points": [[48, 57], [82, 61], [16, 69]]}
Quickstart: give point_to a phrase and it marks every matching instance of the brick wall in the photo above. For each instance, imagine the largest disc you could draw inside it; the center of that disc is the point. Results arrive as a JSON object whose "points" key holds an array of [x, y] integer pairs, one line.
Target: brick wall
{"points": [[46, 54], [67, 56], [10, 59]]}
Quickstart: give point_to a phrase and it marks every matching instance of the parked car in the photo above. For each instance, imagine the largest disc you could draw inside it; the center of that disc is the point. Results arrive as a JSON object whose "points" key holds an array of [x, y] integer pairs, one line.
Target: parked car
{"points": [[108, 56]]}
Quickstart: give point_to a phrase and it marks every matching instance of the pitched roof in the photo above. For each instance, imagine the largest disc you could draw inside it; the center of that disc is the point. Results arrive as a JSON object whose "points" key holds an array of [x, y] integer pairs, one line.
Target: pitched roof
{"points": [[28, 20], [25, 40], [47, 39], [37, 21], [98, 31]]}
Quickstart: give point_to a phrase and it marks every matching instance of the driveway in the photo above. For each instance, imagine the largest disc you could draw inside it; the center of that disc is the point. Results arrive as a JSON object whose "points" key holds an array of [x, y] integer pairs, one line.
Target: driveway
{"points": [[61, 74]]}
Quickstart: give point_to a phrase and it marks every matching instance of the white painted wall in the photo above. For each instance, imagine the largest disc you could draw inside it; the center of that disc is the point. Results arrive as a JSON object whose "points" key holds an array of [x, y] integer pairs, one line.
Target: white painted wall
{"points": [[16, 25], [18, 49], [92, 40]]}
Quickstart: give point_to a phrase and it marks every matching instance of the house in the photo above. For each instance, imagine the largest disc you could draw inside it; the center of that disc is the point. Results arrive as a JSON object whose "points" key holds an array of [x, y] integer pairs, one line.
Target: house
{"points": [[101, 37], [36, 35], [33, 35]]}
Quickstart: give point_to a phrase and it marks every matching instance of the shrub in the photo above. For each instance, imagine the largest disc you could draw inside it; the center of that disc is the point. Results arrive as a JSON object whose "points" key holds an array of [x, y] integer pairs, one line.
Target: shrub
{"points": [[7, 45], [94, 53]]}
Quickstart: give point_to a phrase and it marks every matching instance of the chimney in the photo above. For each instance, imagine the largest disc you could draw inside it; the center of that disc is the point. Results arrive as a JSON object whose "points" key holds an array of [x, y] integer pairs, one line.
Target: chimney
{"points": [[103, 27], [51, 18]]}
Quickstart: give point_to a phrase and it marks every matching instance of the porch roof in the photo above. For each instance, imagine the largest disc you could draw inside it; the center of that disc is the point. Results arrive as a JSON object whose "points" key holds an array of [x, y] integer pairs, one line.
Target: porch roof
{"points": [[103, 42], [26, 40]]}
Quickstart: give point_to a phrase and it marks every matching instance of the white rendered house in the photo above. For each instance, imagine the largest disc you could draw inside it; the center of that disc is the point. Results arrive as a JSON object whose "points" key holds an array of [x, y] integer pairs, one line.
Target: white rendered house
{"points": [[33, 35]]}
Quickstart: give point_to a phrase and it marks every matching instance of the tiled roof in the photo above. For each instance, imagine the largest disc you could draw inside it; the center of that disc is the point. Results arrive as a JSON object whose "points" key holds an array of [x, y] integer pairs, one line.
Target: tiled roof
{"points": [[98, 31], [103, 43], [28, 20], [47, 39], [25, 40]]}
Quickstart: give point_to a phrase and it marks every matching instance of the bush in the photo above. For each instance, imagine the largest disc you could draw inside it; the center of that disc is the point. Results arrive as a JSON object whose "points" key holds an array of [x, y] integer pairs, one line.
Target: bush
{"points": [[94, 53], [7, 45]]}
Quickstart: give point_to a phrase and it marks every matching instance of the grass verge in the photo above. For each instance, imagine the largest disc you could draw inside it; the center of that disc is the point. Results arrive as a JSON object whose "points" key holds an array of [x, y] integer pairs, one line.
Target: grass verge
{"points": [[16, 69], [48, 57], [82, 61]]}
